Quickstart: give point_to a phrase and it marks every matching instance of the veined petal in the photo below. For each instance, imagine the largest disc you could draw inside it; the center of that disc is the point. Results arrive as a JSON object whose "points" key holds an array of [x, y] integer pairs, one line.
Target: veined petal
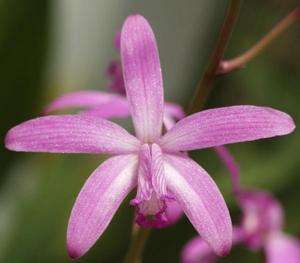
{"points": [[282, 248], [88, 99], [200, 200], [158, 173], [142, 77], [144, 189], [98, 201], [226, 125], [70, 134]]}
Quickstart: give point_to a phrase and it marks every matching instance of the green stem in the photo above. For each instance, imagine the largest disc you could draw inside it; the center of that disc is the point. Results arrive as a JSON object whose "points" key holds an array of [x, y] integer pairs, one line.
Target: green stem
{"points": [[204, 87], [237, 62], [137, 244]]}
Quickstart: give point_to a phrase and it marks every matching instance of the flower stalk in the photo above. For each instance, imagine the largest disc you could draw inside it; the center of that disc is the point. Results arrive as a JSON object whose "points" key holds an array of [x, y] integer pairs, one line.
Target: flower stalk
{"points": [[227, 66], [137, 244], [204, 86]]}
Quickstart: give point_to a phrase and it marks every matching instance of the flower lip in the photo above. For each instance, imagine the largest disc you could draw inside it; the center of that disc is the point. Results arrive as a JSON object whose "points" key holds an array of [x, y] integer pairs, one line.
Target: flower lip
{"points": [[151, 197]]}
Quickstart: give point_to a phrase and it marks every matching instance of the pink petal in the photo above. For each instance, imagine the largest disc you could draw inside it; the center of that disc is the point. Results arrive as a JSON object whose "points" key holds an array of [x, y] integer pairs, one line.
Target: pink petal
{"points": [[144, 188], [157, 170], [201, 201], [70, 134], [97, 202], [283, 248], [197, 250], [226, 125], [231, 166], [142, 77], [88, 99]]}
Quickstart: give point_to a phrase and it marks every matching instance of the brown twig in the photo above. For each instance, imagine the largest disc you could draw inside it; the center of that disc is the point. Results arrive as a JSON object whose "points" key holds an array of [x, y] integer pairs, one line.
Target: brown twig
{"points": [[235, 63], [204, 87]]}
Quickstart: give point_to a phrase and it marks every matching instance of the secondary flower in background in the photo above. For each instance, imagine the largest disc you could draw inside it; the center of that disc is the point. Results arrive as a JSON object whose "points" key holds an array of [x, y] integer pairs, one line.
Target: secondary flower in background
{"points": [[260, 226], [151, 161]]}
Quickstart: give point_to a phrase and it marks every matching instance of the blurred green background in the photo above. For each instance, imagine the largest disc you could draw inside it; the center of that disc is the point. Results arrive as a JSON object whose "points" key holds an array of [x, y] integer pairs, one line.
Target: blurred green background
{"points": [[50, 47]]}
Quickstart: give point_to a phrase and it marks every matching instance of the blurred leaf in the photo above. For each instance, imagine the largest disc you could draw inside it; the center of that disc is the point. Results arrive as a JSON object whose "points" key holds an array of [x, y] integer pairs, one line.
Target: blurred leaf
{"points": [[23, 42]]}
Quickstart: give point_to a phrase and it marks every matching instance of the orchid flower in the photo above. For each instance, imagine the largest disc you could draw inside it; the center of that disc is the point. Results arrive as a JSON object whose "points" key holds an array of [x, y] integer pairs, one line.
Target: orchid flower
{"points": [[260, 227], [151, 161]]}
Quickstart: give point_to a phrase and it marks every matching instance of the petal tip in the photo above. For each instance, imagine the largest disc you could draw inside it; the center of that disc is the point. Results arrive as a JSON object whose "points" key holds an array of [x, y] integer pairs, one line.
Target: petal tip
{"points": [[73, 253], [135, 18], [287, 124], [292, 125], [135, 22], [7, 140], [74, 249], [10, 142], [225, 250]]}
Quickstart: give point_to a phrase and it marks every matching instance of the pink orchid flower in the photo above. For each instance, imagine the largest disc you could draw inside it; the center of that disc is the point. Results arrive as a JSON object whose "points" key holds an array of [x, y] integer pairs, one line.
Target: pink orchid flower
{"points": [[260, 227], [151, 161]]}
